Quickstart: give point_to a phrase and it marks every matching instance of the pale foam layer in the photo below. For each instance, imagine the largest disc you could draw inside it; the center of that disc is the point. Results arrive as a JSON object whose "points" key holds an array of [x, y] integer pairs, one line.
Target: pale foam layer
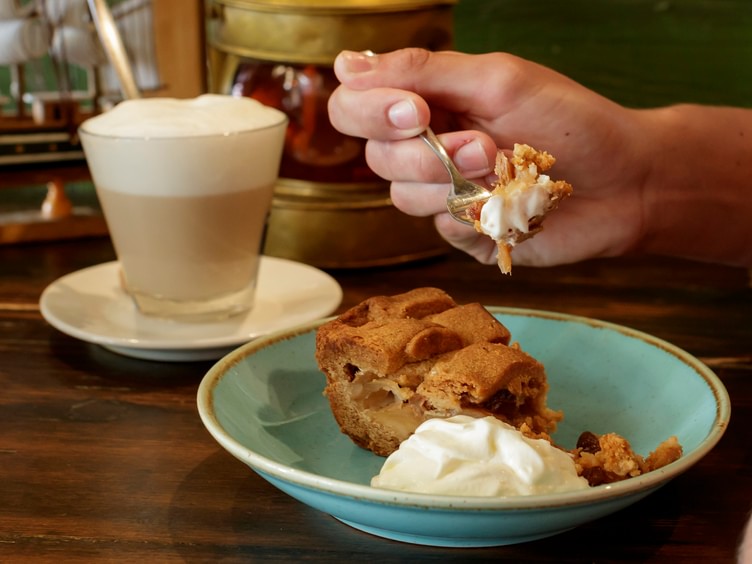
{"points": [[209, 114], [469, 456], [206, 146]]}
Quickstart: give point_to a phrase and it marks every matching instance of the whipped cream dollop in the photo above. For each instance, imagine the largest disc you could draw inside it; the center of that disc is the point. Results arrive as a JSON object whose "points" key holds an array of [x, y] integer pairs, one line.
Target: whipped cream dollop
{"points": [[508, 212], [469, 456]]}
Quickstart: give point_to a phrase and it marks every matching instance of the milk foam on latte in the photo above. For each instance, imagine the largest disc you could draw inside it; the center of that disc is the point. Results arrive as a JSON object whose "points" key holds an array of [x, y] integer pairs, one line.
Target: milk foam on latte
{"points": [[154, 130], [185, 186], [209, 114]]}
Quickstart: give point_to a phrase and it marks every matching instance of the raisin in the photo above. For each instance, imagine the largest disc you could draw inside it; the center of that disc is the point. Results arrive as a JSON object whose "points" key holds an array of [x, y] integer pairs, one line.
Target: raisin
{"points": [[595, 476], [500, 402], [350, 371], [588, 442]]}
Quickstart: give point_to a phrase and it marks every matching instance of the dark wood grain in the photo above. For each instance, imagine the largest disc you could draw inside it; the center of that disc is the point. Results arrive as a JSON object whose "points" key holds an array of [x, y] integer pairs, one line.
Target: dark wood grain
{"points": [[104, 458]]}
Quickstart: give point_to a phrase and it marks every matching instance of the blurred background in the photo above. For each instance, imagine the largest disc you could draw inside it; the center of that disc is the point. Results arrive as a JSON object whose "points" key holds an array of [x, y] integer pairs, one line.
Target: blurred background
{"points": [[329, 209]]}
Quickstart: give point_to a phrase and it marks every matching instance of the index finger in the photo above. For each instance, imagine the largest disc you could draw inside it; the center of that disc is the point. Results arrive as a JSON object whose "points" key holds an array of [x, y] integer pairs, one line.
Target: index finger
{"points": [[379, 113], [462, 83]]}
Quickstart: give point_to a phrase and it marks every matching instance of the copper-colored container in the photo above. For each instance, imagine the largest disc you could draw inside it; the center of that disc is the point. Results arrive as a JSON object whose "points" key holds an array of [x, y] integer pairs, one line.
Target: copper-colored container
{"points": [[329, 209]]}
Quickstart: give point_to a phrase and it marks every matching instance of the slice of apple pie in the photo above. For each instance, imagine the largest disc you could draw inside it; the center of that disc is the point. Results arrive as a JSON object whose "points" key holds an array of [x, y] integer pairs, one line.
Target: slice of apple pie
{"points": [[392, 362]]}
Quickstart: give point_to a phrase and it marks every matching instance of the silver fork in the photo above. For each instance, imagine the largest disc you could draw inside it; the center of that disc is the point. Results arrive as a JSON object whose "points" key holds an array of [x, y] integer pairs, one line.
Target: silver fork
{"points": [[463, 194]]}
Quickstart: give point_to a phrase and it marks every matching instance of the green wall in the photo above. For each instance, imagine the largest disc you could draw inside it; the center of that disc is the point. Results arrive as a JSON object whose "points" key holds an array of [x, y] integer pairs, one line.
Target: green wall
{"points": [[637, 52]]}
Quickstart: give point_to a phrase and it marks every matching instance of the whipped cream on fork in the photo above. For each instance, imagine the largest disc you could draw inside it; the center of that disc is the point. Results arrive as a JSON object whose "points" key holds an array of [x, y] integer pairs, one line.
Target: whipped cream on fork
{"points": [[520, 200]]}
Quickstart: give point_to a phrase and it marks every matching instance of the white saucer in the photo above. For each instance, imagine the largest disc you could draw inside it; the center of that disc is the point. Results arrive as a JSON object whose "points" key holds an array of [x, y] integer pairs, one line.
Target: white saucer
{"points": [[91, 305]]}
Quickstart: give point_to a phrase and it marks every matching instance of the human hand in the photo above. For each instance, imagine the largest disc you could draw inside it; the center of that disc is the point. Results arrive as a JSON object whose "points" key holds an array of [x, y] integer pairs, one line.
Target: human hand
{"points": [[482, 102]]}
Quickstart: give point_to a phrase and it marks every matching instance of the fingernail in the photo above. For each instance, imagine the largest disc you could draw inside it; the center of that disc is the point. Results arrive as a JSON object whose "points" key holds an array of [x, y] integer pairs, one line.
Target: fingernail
{"points": [[403, 115], [471, 157], [356, 62]]}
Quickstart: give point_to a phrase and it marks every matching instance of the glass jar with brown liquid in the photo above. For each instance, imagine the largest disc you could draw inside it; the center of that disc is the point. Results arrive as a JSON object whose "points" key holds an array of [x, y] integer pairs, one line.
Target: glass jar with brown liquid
{"points": [[314, 150], [330, 209]]}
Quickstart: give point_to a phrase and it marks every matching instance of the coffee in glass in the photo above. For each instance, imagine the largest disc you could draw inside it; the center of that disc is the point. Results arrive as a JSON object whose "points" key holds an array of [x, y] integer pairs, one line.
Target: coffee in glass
{"points": [[186, 188]]}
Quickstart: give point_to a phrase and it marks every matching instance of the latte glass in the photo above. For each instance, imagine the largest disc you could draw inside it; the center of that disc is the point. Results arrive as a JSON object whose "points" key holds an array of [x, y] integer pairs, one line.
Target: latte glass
{"points": [[186, 188]]}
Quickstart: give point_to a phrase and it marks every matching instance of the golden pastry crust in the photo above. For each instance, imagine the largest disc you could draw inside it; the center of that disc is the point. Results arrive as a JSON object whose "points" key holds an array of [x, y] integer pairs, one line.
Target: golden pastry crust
{"points": [[393, 362], [493, 378]]}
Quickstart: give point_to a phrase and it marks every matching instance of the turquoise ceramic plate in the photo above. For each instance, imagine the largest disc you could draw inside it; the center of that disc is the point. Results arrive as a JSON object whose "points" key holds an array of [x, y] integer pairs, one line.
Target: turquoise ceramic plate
{"points": [[263, 403]]}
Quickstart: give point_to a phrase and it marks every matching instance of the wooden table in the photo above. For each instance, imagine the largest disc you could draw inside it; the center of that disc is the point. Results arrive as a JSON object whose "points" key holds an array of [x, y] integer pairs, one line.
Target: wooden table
{"points": [[104, 458]]}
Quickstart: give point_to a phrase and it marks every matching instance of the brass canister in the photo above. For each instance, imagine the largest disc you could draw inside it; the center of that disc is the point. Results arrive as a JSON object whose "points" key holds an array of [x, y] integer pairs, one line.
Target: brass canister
{"points": [[329, 209]]}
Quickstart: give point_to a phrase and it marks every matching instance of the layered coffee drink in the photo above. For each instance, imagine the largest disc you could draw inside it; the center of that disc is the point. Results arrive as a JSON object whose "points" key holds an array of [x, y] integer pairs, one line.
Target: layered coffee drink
{"points": [[186, 187]]}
